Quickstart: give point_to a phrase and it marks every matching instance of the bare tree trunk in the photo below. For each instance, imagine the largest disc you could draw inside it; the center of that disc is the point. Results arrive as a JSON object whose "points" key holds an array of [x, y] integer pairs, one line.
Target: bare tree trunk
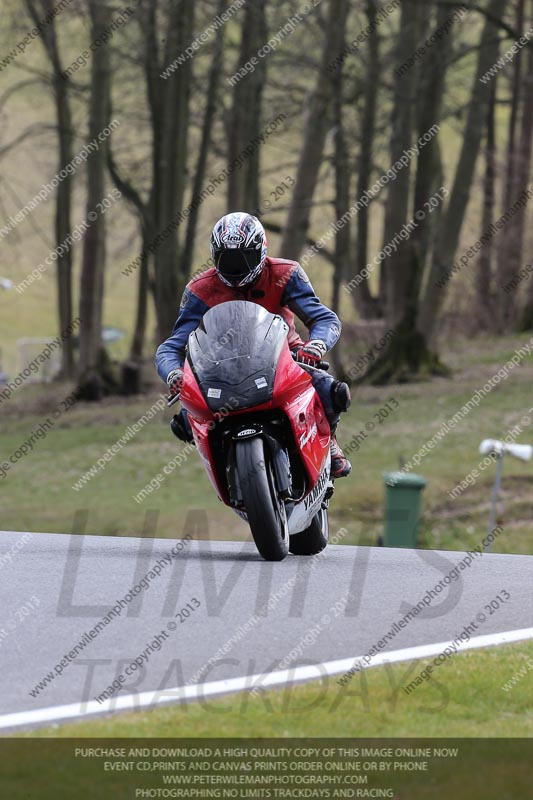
{"points": [[484, 272], [162, 272], [317, 124], [199, 176], [92, 375], [518, 222], [410, 352], [432, 77], [171, 166], [65, 136], [452, 221], [139, 329], [414, 23], [168, 100], [63, 225], [341, 163], [407, 353], [510, 172], [510, 184], [131, 369], [342, 189], [245, 121], [403, 126], [367, 306], [133, 197]]}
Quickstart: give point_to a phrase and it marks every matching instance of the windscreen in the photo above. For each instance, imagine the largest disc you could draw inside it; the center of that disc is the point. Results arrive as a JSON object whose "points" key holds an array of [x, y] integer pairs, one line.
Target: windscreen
{"points": [[234, 353]]}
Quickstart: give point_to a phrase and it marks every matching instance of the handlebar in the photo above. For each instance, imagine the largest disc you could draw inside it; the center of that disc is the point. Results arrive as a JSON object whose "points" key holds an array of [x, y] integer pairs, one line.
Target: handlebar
{"points": [[322, 365]]}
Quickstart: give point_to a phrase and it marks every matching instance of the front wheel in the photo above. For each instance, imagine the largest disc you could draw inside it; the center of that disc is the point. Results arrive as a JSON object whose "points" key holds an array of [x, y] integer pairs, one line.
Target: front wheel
{"points": [[314, 538], [266, 511]]}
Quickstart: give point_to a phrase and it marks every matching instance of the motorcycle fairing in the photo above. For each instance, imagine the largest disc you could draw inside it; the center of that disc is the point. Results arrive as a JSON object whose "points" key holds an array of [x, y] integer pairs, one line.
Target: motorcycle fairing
{"points": [[303, 512], [236, 369], [253, 337], [295, 395]]}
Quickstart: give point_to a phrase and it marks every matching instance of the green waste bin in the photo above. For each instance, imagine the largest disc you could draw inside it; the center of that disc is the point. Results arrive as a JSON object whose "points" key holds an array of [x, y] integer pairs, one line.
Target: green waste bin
{"points": [[403, 495]]}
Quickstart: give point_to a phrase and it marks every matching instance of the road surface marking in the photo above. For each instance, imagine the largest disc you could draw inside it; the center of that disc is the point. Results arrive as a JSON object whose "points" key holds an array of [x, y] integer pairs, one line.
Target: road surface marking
{"points": [[143, 700]]}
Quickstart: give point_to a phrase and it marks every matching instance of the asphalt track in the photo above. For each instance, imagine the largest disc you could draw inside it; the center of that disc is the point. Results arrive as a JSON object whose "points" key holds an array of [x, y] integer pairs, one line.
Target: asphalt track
{"points": [[327, 610]]}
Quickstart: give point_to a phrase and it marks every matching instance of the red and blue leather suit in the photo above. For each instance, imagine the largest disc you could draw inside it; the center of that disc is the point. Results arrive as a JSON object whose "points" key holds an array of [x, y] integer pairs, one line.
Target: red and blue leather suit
{"points": [[283, 288]]}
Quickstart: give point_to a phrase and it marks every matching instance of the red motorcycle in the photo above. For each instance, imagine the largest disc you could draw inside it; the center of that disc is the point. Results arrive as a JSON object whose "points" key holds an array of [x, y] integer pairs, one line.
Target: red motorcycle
{"points": [[260, 428]]}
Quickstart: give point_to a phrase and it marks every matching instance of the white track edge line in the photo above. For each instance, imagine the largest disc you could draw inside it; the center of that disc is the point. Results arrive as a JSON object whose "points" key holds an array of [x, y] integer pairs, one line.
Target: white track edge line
{"points": [[143, 700]]}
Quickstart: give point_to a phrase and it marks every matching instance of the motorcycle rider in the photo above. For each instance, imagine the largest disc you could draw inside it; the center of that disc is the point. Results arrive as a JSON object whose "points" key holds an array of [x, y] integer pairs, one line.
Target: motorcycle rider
{"points": [[242, 270]]}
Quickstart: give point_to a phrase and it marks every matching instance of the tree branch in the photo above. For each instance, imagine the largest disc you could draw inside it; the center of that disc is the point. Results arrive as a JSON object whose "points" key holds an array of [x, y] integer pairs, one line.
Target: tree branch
{"points": [[31, 131], [128, 190], [275, 228]]}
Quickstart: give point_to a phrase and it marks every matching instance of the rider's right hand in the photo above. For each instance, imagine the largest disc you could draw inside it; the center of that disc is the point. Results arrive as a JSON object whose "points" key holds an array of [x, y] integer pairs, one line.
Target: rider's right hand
{"points": [[175, 382]]}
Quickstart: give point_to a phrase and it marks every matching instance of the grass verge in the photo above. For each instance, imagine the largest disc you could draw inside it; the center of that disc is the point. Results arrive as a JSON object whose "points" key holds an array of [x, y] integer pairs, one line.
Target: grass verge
{"points": [[465, 697], [37, 493]]}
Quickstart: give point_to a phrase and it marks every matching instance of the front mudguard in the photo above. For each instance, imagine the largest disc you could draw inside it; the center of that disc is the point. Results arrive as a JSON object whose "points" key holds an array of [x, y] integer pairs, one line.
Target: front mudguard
{"points": [[279, 460]]}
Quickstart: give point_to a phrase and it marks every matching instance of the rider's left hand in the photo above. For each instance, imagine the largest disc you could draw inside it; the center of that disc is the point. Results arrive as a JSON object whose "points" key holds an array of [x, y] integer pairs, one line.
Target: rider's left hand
{"points": [[175, 382], [312, 352]]}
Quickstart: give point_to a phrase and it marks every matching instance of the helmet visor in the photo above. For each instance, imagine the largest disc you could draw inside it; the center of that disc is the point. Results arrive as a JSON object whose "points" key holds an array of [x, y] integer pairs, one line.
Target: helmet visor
{"points": [[236, 264]]}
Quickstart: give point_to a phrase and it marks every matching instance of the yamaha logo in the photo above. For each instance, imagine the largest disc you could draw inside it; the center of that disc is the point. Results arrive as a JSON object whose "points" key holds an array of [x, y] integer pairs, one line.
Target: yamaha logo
{"points": [[313, 496]]}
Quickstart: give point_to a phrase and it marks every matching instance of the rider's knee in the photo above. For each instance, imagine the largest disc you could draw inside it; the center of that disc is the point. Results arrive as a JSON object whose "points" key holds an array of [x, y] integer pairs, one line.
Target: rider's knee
{"points": [[341, 398]]}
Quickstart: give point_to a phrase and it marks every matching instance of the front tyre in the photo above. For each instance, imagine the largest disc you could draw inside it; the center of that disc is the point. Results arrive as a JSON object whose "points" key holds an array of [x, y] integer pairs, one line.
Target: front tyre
{"points": [[314, 538], [266, 512]]}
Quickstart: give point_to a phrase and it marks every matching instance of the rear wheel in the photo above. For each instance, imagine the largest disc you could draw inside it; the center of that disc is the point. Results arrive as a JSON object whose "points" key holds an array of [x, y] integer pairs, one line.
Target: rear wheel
{"points": [[314, 538], [266, 512]]}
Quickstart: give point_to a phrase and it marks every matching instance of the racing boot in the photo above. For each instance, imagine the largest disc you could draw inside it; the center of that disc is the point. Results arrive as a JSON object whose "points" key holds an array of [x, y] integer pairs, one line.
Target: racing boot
{"points": [[340, 466]]}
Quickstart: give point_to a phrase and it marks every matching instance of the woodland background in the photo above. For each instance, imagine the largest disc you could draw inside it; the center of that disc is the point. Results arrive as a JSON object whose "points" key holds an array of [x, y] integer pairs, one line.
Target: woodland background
{"points": [[430, 274]]}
